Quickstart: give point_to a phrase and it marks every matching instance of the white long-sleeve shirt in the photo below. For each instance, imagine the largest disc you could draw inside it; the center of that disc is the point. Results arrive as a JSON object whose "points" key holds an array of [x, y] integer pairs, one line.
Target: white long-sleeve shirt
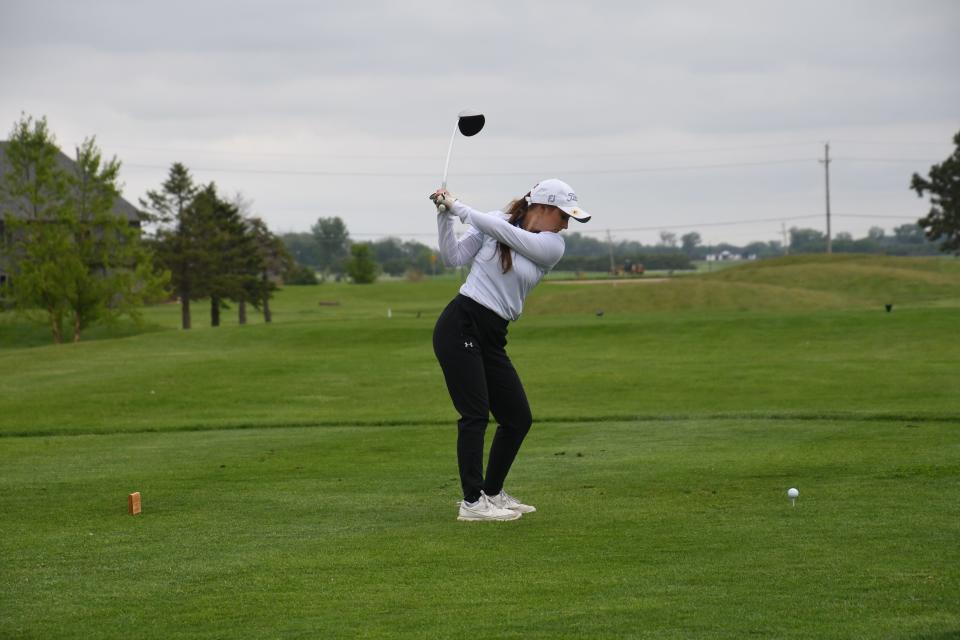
{"points": [[534, 254]]}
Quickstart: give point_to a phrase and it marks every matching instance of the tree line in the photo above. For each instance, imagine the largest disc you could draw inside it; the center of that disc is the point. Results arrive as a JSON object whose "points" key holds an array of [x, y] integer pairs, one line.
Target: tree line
{"points": [[69, 258], [327, 247], [329, 250], [584, 253], [906, 240], [212, 248]]}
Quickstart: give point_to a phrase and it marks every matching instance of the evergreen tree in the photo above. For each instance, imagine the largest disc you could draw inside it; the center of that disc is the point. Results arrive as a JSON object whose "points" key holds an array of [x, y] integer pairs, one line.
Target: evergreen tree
{"points": [[274, 260], [177, 237], [232, 264], [168, 205]]}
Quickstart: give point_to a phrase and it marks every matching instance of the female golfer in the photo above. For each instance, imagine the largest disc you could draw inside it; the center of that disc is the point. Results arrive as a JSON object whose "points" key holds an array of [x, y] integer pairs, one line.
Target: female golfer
{"points": [[511, 251]]}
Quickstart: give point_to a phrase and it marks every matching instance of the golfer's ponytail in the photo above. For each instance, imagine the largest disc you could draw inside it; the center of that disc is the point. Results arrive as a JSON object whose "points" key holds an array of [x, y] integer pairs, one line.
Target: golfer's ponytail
{"points": [[516, 210]]}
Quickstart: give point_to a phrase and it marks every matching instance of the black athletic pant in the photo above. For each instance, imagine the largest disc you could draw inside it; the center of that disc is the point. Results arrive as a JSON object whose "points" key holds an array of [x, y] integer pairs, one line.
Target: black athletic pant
{"points": [[469, 342]]}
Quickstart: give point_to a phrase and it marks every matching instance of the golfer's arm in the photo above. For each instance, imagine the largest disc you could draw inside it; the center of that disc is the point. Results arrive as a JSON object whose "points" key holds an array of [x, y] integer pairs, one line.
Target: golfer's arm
{"points": [[455, 252], [543, 248]]}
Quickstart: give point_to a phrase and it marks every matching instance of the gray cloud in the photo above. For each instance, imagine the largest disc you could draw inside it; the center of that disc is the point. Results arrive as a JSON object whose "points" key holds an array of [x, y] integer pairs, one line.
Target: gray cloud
{"points": [[326, 89]]}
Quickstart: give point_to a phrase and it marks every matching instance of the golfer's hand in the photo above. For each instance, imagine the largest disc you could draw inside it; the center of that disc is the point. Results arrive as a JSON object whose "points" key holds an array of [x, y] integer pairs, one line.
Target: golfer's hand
{"points": [[443, 199]]}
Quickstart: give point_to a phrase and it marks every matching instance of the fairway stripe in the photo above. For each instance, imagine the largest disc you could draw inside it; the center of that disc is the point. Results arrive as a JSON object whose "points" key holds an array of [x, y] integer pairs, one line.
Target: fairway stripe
{"points": [[632, 417]]}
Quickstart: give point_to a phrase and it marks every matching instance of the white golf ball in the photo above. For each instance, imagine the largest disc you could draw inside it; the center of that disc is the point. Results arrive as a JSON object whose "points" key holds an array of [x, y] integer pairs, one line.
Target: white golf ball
{"points": [[792, 493]]}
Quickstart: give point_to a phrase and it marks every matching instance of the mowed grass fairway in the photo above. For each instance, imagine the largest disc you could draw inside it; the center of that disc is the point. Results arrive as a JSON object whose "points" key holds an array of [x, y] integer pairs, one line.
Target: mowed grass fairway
{"points": [[299, 478]]}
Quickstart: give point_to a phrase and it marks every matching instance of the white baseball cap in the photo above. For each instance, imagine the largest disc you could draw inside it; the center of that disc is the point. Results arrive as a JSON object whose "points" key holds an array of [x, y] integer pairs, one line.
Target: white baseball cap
{"points": [[558, 193]]}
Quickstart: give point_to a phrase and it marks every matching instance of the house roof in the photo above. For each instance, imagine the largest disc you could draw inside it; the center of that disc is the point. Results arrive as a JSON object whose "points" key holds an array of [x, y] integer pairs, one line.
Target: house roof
{"points": [[120, 206]]}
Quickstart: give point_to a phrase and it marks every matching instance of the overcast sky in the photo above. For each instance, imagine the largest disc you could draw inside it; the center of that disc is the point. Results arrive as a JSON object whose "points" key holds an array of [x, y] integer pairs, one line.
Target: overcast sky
{"points": [[661, 115]]}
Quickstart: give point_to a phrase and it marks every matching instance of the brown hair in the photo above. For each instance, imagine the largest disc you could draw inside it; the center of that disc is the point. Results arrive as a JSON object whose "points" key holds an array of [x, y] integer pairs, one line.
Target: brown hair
{"points": [[516, 210]]}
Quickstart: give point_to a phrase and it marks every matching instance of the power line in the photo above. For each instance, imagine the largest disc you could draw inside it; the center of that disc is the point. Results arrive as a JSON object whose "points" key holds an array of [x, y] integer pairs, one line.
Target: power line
{"points": [[657, 152], [693, 225], [729, 223], [610, 154], [900, 143], [407, 156], [394, 174], [488, 174], [682, 167], [891, 160], [870, 216]]}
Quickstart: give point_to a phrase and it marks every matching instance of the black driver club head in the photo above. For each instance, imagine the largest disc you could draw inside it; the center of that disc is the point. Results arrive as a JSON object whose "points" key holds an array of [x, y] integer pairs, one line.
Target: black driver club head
{"points": [[470, 122]]}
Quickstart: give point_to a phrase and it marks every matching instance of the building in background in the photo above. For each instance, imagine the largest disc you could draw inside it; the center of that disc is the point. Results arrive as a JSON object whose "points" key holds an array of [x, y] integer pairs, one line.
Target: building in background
{"points": [[121, 207]]}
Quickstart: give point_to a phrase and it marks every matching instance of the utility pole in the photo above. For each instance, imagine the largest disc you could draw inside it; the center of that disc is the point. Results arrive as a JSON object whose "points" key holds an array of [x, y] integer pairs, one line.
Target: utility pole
{"points": [[610, 246], [786, 242], [826, 171]]}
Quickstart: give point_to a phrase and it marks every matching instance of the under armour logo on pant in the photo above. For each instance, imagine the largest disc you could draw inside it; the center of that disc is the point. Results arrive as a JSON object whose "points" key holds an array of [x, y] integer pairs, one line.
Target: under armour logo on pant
{"points": [[467, 345]]}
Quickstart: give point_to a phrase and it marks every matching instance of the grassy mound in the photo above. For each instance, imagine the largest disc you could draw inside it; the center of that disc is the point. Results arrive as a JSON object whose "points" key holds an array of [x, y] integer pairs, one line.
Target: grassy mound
{"points": [[800, 283], [861, 279]]}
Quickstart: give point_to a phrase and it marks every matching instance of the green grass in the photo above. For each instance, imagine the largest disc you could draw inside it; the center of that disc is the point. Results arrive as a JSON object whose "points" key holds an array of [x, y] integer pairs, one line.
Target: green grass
{"points": [[299, 478], [379, 370], [870, 280], [648, 529]]}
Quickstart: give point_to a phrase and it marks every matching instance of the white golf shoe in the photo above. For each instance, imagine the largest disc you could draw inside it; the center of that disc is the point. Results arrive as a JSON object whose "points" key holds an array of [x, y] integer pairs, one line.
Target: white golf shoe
{"points": [[483, 509], [504, 500]]}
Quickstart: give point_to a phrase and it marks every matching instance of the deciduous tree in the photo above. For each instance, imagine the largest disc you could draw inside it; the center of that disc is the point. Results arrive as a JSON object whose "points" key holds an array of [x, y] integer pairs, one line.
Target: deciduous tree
{"points": [[689, 242], [668, 239], [942, 223], [69, 255], [333, 242], [118, 274], [37, 254], [362, 268]]}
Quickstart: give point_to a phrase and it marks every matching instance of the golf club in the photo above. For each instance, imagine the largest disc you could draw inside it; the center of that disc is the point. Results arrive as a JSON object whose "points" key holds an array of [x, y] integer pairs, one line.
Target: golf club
{"points": [[469, 123]]}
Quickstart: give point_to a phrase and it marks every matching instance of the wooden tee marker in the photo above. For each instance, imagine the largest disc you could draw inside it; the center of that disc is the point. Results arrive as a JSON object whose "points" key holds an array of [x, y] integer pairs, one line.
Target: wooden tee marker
{"points": [[133, 503]]}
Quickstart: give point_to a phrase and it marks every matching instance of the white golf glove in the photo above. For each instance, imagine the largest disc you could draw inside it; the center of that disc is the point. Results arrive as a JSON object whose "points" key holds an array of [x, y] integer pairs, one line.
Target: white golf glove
{"points": [[443, 199]]}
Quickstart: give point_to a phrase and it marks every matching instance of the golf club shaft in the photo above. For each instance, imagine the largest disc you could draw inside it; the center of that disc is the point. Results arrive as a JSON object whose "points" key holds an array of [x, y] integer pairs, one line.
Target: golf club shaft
{"points": [[446, 166]]}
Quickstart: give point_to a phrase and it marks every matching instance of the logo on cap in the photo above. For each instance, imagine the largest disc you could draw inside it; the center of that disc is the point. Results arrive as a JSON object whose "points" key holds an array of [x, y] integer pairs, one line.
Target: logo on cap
{"points": [[558, 194]]}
